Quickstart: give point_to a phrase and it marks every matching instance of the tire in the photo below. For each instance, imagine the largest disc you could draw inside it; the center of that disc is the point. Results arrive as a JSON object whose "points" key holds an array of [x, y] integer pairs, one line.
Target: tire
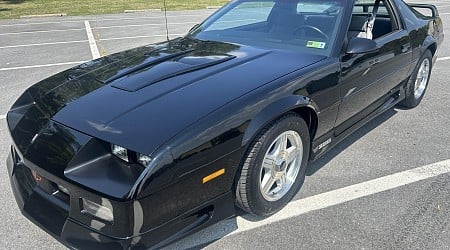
{"points": [[418, 82], [263, 189]]}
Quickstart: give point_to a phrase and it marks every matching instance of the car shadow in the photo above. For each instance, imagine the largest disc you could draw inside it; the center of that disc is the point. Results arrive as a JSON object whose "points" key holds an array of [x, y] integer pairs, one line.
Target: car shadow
{"points": [[227, 227], [355, 136]]}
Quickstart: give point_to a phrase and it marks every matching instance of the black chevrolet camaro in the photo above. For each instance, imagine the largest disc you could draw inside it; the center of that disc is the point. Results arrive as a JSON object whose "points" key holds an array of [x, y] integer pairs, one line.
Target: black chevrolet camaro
{"points": [[140, 148]]}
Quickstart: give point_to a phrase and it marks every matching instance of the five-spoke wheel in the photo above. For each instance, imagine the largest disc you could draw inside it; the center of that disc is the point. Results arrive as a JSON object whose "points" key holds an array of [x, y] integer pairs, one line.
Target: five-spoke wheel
{"points": [[281, 165], [418, 82], [274, 167], [422, 78]]}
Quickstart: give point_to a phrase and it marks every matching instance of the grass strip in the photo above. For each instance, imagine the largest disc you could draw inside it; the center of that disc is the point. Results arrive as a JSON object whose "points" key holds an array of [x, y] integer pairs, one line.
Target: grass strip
{"points": [[16, 8]]}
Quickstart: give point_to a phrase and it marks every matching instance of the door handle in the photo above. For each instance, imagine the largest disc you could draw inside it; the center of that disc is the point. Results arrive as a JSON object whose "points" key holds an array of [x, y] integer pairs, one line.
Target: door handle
{"points": [[406, 47]]}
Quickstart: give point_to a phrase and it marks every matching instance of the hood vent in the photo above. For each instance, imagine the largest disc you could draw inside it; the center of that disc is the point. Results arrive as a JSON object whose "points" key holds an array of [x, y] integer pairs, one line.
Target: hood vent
{"points": [[164, 68], [147, 64]]}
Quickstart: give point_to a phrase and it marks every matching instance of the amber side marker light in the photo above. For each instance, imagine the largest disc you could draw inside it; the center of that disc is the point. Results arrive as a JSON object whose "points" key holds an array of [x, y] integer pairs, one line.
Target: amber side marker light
{"points": [[213, 175]]}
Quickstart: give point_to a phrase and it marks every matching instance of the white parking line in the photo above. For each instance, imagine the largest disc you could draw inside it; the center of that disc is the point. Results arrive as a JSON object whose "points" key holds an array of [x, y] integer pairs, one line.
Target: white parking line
{"points": [[443, 58], [105, 19], [350, 193], [37, 31], [101, 27], [40, 44], [135, 37], [142, 25], [94, 49], [320, 201], [42, 65], [38, 23], [2, 117]]}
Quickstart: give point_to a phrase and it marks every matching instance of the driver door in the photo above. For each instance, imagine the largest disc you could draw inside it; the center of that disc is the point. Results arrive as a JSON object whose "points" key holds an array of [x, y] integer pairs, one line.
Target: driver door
{"points": [[369, 80]]}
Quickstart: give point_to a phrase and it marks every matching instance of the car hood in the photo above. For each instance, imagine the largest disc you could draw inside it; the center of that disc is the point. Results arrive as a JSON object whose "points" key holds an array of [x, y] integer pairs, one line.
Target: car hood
{"points": [[141, 98]]}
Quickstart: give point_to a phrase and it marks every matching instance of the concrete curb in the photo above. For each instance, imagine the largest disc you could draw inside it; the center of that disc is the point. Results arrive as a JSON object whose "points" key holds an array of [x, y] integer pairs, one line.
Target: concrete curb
{"points": [[44, 15], [145, 10]]}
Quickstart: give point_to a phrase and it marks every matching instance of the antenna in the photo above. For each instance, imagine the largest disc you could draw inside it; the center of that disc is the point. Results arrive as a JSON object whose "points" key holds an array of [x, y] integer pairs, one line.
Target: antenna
{"points": [[165, 17]]}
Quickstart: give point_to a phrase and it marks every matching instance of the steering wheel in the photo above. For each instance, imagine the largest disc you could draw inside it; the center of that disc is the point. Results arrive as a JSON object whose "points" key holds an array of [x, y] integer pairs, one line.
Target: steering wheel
{"points": [[317, 30]]}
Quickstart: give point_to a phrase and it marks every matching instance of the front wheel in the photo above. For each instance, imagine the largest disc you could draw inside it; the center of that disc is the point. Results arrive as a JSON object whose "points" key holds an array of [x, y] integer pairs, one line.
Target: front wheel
{"points": [[418, 82], [274, 168]]}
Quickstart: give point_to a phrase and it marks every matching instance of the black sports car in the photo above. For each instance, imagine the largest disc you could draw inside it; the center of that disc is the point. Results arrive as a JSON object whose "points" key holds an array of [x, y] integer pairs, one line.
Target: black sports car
{"points": [[140, 148]]}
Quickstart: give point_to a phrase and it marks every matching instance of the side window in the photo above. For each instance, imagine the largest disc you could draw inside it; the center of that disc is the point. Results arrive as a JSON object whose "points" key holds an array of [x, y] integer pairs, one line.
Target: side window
{"points": [[245, 14], [384, 24]]}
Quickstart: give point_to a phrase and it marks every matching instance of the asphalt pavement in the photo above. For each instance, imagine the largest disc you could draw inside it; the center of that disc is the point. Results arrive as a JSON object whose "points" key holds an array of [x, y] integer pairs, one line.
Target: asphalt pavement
{"points": [[386, 186]]}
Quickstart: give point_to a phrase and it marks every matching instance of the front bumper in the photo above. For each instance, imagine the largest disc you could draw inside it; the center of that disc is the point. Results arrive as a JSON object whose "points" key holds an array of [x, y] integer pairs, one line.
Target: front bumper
{"points": [[60, 214], [51, 209]]}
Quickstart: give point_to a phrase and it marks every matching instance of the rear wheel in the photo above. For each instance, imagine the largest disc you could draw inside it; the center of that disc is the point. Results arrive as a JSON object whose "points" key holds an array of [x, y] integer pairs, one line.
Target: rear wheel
{"points": [[274, 168], [418, 82]]}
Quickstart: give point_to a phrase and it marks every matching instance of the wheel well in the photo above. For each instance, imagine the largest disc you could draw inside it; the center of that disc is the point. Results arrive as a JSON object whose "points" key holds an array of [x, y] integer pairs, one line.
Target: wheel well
{"points": [[432, 48], [306, 113], [310, 117]]}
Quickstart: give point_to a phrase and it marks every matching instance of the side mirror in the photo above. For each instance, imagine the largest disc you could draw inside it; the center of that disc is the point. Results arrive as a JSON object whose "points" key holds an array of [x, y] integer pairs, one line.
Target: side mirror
{"points": [[359, 45]]}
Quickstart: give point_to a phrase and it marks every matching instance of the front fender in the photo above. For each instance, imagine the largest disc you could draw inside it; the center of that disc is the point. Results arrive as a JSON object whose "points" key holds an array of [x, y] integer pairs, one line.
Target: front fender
{"points": [[274, 110]]}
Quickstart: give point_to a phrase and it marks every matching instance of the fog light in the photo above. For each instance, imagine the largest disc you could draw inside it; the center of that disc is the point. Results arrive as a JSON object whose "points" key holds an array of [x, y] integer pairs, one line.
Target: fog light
{"points": [[144, 160], [97, 210], [120, 152]]}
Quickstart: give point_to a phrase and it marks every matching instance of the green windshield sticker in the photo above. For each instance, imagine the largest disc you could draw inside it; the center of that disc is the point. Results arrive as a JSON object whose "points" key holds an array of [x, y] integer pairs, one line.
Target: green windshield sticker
{"points": [[315, 44]]}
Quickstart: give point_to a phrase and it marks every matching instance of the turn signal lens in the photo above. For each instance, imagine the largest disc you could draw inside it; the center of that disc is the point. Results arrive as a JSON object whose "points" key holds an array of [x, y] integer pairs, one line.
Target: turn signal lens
{"points": [[120, 152], [97, 210], [144, 160]]}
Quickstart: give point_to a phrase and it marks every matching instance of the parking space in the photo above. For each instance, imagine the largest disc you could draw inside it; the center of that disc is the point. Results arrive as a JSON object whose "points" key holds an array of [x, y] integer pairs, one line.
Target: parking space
{"points": [[399, 140], [42, 26], [48, 53], [16, 39], [33, 49]]}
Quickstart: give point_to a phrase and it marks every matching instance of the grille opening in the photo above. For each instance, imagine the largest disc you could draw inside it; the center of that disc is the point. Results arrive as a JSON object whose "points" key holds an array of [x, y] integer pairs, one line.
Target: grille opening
{"points": [[51, 188]]}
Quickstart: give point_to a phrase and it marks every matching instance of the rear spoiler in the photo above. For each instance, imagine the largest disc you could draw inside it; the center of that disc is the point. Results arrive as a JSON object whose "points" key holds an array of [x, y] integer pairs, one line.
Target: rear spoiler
{"points": [[432, 8]]}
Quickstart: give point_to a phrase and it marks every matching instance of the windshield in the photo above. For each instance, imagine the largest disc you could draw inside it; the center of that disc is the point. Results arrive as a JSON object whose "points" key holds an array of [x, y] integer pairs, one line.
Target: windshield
{"points": [[299, 25]]}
